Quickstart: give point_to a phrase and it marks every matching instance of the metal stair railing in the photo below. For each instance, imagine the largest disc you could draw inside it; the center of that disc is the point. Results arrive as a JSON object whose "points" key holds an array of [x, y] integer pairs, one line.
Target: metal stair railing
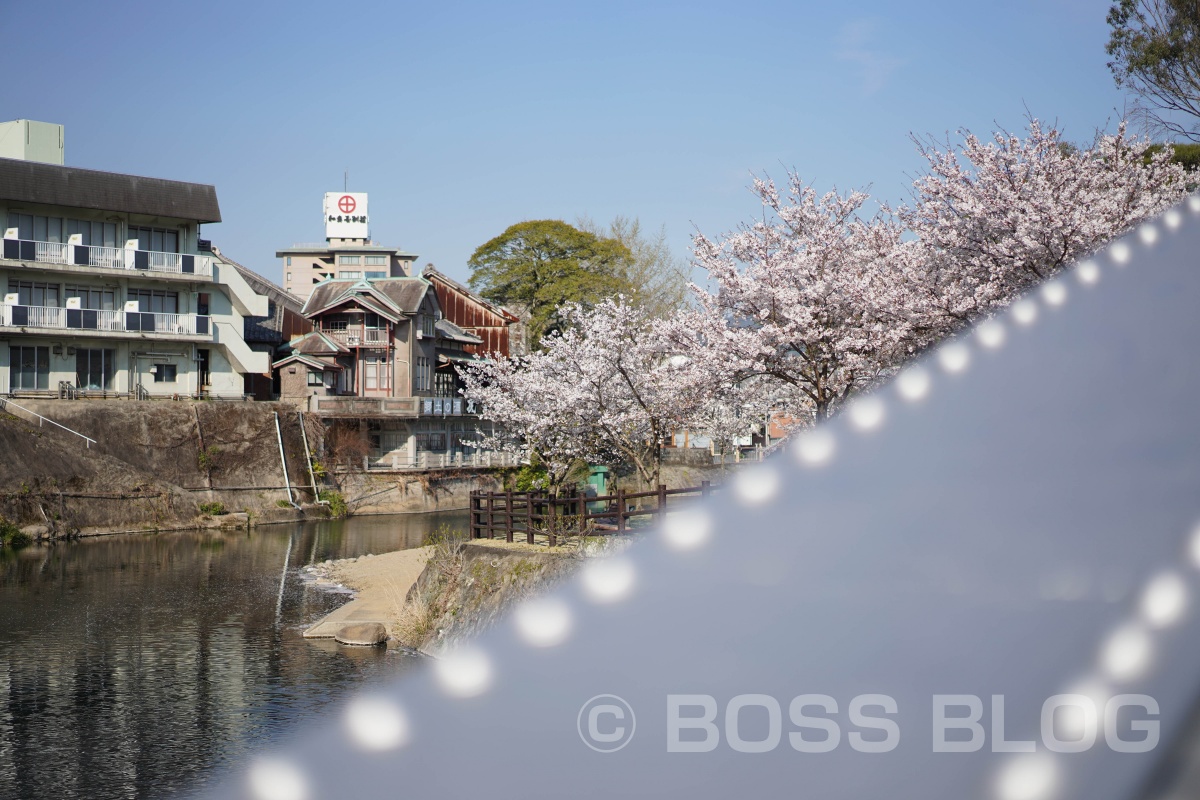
{"points": [[5, 404]]}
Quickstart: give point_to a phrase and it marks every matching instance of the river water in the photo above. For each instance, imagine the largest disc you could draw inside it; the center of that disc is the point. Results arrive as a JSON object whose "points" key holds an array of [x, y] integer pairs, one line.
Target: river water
{"points": [[138, 665]]}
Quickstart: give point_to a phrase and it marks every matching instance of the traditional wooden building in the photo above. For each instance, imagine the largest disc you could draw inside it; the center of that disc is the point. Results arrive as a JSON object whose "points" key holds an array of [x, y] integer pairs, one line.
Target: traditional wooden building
{"points": [[382, 358], [498, 329]]}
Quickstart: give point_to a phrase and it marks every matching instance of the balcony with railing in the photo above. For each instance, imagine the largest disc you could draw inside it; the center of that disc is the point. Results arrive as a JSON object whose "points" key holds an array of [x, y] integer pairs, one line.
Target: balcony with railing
{"points": [[358, 336], [79, 256], [93, 321]]}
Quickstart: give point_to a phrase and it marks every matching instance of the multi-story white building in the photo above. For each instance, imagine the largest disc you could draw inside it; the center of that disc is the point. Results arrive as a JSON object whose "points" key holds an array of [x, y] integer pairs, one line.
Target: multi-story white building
{"points": [[108, 289]]}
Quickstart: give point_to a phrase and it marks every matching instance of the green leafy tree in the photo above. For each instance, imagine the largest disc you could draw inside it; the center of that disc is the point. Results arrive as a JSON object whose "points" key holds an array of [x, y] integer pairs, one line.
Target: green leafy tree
{"points": [[539, 265], [1155, 47]]}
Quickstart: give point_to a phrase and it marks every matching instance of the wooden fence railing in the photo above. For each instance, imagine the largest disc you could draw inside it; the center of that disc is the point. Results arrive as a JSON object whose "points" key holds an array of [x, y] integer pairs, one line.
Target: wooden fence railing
{"points": [[538, 515]]}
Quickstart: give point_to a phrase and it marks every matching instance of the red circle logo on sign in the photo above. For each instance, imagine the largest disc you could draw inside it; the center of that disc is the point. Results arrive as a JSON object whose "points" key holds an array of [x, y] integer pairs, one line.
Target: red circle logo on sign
{"points": [[346, 204]]}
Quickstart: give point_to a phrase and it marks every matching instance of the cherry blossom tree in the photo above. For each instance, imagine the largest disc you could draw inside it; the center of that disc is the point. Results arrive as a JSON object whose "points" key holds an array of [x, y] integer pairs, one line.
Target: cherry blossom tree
{"points": [[812, 297], [608, 387], [996, 217], [817, 301], [533, 402]]}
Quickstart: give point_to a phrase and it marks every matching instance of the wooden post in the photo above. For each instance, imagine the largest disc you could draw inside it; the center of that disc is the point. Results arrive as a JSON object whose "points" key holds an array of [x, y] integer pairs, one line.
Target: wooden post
{"points": [[529, 497], [475, 515], [662, 501], [553, 521], [490, 507], [620, 510], [508, 517], [582, 511], [705, 489]]}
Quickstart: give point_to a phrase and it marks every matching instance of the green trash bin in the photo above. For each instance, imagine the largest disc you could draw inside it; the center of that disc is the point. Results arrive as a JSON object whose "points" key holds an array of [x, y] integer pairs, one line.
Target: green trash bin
{"points": [[597, 485]]}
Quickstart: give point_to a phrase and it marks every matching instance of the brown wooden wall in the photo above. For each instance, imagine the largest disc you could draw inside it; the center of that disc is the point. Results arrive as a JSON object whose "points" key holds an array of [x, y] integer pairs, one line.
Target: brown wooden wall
{"points": [[468, 313]]}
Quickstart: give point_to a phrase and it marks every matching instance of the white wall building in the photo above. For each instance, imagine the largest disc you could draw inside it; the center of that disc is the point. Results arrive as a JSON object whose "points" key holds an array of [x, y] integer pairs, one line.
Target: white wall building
{"points": [[108, 290]]}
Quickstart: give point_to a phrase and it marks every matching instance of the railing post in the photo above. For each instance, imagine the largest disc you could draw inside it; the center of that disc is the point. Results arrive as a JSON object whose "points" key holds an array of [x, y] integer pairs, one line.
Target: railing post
{"points": [[490, 510], [529, 496], [475, 515], [582, 511], [508, 516], [705, 489], [553, 520], [620, 510], [662, 501]]}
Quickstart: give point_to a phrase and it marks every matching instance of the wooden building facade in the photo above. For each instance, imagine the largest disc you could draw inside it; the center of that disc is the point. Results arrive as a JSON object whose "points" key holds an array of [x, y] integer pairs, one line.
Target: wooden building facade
{"points": [[500, 330]]}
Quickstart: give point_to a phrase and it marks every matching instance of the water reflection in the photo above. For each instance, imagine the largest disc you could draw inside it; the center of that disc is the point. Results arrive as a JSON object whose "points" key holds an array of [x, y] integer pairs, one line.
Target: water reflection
{"points": [[131, 666]]}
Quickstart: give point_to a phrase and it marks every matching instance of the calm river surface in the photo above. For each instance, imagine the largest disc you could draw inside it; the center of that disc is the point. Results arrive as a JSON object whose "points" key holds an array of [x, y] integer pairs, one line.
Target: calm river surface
{"points": [[136, 665]]}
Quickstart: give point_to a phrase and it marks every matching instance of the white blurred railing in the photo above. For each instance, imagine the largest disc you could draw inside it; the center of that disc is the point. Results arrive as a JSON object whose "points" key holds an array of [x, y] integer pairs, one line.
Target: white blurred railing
{"points": [[18, 316], [429, 460], [84, 256], [51, 252]]}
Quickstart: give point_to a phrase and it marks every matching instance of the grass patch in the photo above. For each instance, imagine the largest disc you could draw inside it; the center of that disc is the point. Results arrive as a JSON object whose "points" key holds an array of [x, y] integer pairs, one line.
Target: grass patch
{"points": [[11, 536], [212, 509], [338, 507]]}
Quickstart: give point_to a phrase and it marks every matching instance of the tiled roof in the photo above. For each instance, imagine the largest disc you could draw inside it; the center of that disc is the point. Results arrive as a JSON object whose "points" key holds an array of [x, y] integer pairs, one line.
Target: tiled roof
{"points": [[405, 294], [451, 331]]}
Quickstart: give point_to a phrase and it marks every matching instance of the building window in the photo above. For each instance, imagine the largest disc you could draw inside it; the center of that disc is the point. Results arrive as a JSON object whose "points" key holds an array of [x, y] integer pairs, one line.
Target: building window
{"points": [[289, 263], [443, 383], [92, 298], [316, 378], [375, 275], [94, 369], [58, 229], [155, 301], [374, 372], [435, 442], [93, 234], [164, 373], [376, 261], [289, 277], [159, 240], [349, 274], [34, 294], [350, 261], [427, 324], [28, 368], [421, 379]]}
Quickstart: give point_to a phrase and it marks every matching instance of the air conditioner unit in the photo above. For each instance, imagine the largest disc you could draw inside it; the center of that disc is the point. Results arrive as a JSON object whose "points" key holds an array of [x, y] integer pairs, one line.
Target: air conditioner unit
{"points": [[420, 334]]}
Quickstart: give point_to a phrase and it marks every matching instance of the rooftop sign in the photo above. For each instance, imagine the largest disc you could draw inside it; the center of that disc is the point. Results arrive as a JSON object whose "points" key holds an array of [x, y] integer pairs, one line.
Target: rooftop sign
{"points": [[346, 215]]}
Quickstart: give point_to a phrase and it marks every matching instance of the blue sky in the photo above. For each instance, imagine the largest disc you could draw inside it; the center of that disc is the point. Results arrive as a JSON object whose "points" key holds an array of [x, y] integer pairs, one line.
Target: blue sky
{"points": [[463, 118]]}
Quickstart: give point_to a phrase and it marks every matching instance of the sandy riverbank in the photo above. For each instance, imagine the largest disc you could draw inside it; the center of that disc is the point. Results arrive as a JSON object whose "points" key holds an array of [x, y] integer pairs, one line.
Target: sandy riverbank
{"points": [[379, 582], [465, 588]]}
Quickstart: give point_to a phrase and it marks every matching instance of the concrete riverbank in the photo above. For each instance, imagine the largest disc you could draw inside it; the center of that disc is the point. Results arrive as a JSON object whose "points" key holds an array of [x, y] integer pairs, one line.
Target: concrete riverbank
{"points": [[429, 597]]}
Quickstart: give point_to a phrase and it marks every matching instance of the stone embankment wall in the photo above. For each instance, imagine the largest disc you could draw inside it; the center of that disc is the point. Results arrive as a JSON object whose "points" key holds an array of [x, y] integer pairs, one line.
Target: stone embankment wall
{"points": [[155, 463]]}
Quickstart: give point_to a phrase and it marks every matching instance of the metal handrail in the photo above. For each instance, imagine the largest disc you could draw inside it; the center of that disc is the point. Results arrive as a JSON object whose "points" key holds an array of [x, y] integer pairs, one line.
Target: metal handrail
{"points": [[5, 403], [109, 257]]}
